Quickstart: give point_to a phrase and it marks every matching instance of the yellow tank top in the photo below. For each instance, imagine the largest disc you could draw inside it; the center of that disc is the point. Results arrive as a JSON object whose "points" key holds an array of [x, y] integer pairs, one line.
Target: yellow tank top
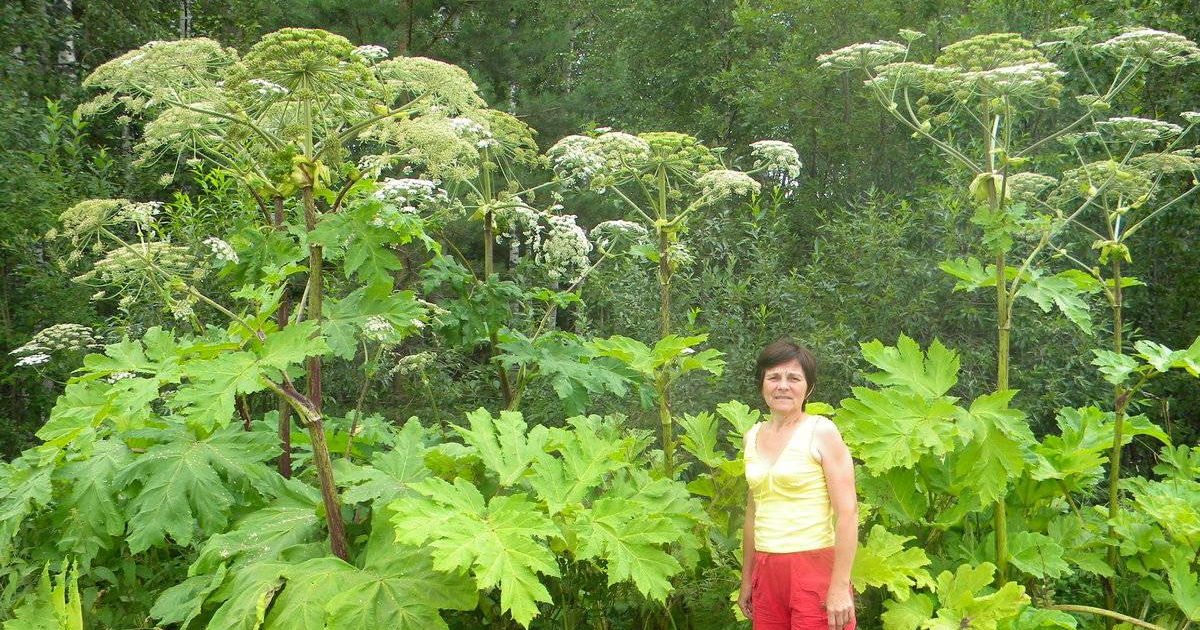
{"points": [[791, 501]]}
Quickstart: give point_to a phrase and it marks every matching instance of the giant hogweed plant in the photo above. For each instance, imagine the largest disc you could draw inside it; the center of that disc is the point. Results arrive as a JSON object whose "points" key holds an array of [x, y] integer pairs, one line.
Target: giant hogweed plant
{"points": [[663, 180], [141, 457], [976, 103]]}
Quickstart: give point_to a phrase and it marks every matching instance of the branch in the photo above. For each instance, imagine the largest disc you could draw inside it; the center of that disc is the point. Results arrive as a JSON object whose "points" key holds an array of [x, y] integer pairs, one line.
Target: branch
{"points": [[1104, 613]]}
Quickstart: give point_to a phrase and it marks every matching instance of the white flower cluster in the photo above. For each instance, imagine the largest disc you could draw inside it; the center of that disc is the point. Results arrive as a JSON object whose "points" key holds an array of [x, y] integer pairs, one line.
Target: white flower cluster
{"points": [[1156, 47], [221, 250], [1027, 186], [1190, 118], [1026, 79], [564, 251], [371, 54], [778, 158], [56, 338], [1138, 130], [467, 127], [411, 363], [474, 131], [33, 359], [142, 213], [622, 147], [582, 161], [617, 232], [575, 160], [908, 73], [267, 88], [378, 328], [723, 183], [408, 194], [524, 224], [862, 56]]}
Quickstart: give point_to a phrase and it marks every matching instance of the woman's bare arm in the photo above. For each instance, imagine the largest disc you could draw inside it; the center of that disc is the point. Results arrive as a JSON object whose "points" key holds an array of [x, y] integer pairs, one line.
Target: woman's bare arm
{"points": [[839, 478]]}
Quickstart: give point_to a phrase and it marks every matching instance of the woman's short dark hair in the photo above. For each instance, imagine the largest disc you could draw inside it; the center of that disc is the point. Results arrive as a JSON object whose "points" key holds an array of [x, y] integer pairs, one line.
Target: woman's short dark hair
{"points": [[781, 351]]}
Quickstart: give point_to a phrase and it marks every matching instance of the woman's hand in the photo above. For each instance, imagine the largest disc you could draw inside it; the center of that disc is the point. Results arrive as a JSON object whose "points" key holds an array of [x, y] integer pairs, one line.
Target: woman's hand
{"points": [[744, 599], [839, 606]]}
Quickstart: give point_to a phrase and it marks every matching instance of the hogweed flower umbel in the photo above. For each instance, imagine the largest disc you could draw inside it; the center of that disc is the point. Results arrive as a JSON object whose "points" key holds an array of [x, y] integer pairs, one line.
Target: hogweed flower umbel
{"points": [[221, 250], [863, 56], [779, 159], [564, 251], [609, 235], [724, 183], [1027, 186], [1138, 130], [1151, 46]]}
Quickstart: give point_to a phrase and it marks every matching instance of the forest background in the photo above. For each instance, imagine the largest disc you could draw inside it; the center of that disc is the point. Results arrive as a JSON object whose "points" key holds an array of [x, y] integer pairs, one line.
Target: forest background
{"points": [[850, 254]]}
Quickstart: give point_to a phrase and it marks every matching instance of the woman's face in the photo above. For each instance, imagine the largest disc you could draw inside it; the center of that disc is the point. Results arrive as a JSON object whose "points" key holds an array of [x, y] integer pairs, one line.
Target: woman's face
{"points": [[785, 388]]}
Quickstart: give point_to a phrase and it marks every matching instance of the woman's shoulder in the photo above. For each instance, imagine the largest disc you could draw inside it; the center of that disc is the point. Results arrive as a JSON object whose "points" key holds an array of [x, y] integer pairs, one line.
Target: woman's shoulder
{"points": [[822, 425], [750, 433]]}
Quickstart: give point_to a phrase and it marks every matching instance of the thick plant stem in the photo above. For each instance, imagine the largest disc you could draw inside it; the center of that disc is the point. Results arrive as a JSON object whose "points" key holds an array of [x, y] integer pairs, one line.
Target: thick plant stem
{"points": [[311, 418], [1109, 614], [999, 516], [662, 383], [1120, 398], [489, 267], [999, 513], [281, 320], [329, 497], [314, 290]]}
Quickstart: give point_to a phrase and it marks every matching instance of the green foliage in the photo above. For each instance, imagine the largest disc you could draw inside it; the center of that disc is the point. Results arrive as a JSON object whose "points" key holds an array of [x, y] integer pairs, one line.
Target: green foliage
{"points": [[184, 484], [53, 606], [884, 561], [567, 487]]}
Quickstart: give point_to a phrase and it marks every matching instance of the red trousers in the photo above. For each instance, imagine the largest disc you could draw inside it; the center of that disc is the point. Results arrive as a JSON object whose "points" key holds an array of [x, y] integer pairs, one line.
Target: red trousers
{"points": [[788, 590]]}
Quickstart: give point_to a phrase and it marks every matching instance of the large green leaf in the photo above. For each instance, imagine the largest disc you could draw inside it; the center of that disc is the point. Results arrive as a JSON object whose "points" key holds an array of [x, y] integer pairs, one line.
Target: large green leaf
{"points": [[53, 605], [700, 438], [1038, 555], [970, 273], [1116, 368], [245, 598], [572, 369], [182, 603], [963, 605], [499, 542], [396, 587], [207, 400], [344, 318], [632, 544], [905, 368], [884, 561], [890, 428], [1185, 588], [1064, 291], [741, 417], [585, 459], [289, 520], [24, 487], [503, 443], [390, 471], [1076, 455], [89, 515], [908, 614], [80, 409], [897, 493], [998, 441], [183, 484]]}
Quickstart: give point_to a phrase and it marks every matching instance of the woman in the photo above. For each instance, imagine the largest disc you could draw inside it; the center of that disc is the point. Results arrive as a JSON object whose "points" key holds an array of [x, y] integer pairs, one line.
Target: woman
{"points": [[801, 526]]}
